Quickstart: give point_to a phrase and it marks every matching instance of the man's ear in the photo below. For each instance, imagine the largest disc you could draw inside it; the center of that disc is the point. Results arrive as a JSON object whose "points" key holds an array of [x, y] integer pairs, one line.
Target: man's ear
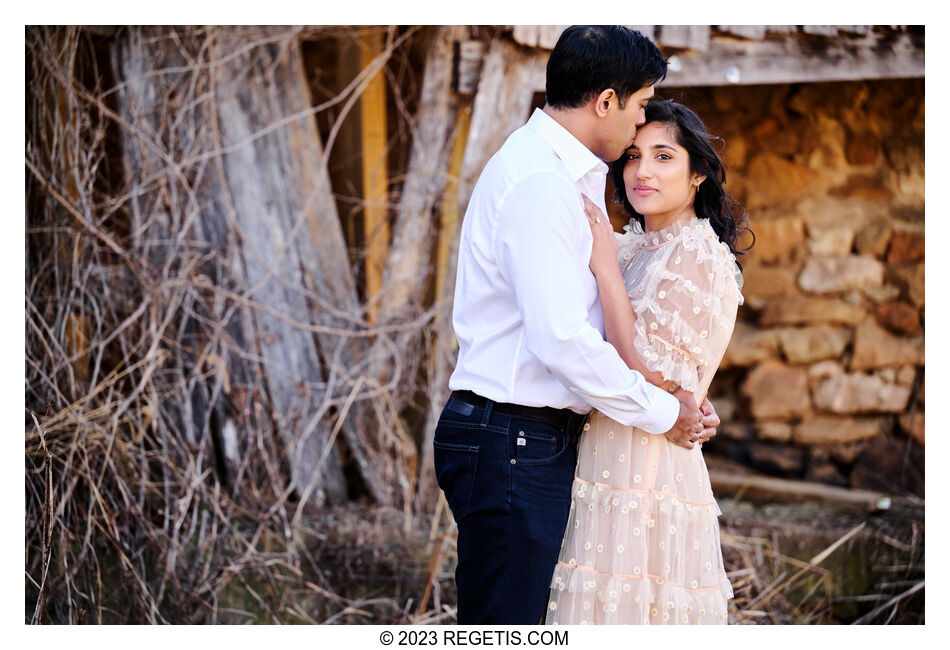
{"points": [[603, 101]]}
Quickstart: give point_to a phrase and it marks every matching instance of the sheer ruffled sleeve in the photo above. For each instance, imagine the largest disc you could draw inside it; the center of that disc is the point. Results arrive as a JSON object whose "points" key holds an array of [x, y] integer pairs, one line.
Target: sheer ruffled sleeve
{"points": [[685, 306]]}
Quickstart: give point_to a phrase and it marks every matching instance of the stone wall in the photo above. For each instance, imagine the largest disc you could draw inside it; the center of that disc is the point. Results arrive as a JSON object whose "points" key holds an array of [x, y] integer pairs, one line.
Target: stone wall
{"points": [[824, 378]]}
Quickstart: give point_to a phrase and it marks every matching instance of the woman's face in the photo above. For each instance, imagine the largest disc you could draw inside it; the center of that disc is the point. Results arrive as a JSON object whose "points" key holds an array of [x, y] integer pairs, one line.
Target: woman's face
{"points": [[656, 174]]}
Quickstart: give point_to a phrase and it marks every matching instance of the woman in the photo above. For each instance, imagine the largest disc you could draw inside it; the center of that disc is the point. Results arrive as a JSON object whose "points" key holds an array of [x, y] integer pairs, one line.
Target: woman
{"points": [[642, 539]]}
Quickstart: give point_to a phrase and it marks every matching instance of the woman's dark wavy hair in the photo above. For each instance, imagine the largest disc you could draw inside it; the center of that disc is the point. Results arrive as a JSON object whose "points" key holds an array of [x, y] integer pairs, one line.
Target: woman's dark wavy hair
{"points": [[712, 202]]}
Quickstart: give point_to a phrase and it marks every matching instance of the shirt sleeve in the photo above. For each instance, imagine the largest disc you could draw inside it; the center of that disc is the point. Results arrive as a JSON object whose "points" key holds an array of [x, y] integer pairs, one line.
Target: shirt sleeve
{"points": [[543, 246], [685, 310]]}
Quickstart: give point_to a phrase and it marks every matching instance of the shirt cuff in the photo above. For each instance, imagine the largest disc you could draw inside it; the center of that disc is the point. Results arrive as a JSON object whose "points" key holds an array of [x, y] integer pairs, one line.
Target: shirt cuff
{"points": [[664, 413]]}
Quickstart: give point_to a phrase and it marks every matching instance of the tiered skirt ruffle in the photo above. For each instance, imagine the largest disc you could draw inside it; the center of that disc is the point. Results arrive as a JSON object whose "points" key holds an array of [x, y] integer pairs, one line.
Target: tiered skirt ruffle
{"points": [[638, 557]]}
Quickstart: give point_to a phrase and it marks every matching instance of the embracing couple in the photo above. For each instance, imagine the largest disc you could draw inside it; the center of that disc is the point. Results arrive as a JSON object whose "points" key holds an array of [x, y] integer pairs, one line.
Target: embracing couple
{"points": [[570, 448]]}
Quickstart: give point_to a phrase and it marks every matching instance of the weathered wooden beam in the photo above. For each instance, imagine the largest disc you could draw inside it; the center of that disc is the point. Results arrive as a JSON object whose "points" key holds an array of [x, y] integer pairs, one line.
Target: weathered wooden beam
{"points": [[153, 121], [776, 489], [861, 30], [277, 183], [820, 30], [468, 66], [753, 32], [266, 203], [647, 30], [451, 216], [689, 37], [374, 168], [510, 77], [545, 36], [405, 276], [62, 131], [345, 168], [445, 348], [548, 35], [792, 59], [526, 34], [781, 29], [407, 271]]}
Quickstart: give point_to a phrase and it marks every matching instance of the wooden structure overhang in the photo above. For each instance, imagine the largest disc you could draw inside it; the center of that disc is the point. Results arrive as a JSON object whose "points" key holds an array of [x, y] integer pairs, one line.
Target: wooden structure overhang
{"points": [[711, 55], [502, 76]]}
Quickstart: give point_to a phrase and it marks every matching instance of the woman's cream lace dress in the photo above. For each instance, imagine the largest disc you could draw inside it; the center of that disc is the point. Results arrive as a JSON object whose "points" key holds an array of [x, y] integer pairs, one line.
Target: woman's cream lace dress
{"points": [[642, 539]]}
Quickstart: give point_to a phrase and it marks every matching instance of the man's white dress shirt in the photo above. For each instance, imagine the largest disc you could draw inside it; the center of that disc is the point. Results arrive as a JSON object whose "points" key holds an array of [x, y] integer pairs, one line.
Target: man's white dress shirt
{"points": [[527, 314]]}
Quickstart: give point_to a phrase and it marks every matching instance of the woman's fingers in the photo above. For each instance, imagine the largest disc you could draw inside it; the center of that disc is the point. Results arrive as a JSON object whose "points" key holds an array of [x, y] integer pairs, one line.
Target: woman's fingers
{"points": [[592, 207], [594, 215], [593, 212], [587, 211]]}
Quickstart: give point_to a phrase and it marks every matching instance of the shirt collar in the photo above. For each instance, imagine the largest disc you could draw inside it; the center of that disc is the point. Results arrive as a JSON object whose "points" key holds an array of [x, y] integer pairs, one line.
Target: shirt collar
{"points": [[578, 159]]}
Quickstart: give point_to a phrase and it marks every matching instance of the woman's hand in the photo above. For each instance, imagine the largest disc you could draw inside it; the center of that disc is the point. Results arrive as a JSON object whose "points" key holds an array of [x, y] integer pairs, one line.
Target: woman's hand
{"points": [[603, 255], [710, 421]]}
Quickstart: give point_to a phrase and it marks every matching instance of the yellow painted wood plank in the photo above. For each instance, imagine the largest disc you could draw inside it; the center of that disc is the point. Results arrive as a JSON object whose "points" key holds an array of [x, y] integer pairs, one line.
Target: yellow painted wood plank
{"points": [[450, 217], [375, 168]]}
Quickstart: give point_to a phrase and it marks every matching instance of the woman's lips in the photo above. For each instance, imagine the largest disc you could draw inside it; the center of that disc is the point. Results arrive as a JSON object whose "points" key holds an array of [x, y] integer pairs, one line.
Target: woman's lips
{"points": [[643, 190]]}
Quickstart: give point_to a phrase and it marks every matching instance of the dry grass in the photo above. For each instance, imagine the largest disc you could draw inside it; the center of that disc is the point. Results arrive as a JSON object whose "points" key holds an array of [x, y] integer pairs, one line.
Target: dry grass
{"points": [[799, 564], [811, 564], [158, 473]]}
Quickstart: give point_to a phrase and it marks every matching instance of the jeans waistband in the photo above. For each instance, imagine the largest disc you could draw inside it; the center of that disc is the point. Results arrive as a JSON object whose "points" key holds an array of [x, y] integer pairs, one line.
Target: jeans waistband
{"points": [[561, 418]]}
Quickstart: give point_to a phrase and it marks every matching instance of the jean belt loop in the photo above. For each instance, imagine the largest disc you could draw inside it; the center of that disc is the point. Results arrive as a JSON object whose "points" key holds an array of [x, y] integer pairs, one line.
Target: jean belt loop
{"points": [[489, 407]]}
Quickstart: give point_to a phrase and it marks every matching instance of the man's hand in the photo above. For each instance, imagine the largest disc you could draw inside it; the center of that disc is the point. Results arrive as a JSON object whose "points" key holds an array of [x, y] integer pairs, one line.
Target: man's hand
{"points": [[710, 421], [689, 424]]}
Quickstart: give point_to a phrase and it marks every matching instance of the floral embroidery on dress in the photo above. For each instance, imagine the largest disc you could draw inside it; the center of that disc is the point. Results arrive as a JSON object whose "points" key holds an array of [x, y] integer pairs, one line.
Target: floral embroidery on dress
{"points": [[686, 275]]}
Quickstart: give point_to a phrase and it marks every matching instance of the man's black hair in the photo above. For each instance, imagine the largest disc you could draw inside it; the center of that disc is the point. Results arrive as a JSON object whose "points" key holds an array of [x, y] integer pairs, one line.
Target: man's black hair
{"points": [[588, 59]]}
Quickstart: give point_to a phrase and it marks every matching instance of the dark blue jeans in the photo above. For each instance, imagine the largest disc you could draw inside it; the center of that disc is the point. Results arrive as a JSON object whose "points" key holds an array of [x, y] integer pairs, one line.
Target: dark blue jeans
{"points": [[508, 483]]}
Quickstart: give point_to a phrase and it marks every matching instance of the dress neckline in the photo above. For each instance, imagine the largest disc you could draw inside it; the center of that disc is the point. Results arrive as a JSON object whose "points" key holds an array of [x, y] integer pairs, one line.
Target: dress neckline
{"points": [[656, 238]]}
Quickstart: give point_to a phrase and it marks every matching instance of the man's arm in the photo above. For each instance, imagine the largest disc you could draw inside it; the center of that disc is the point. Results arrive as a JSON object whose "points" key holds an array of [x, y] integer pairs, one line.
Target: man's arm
{"points": [[618, 323], [540, 247], [619, 320]]}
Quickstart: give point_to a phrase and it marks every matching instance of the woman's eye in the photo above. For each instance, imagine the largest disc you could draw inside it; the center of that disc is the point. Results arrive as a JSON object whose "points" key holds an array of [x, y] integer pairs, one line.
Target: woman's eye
{"points": [[664, 156], [631, 156]]}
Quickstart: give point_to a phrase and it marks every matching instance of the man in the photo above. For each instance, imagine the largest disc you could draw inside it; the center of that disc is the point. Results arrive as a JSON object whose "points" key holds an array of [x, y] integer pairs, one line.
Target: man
{"points": [[532, 357]]}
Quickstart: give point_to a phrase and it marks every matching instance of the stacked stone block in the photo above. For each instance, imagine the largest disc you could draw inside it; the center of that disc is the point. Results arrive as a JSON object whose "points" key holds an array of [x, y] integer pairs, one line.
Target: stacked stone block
{"points": [[824, 378]]}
